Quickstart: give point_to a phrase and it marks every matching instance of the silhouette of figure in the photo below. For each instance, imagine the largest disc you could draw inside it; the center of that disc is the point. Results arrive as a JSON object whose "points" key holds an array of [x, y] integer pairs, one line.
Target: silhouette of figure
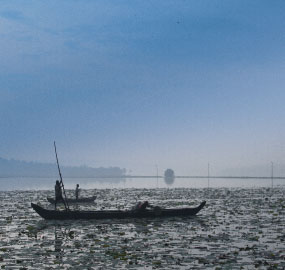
{"points": [[58, 194], [77, 190]]}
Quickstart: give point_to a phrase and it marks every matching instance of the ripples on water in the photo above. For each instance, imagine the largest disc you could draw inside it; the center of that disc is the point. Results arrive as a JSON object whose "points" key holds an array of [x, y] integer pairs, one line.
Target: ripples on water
{"points": [[238, 229]]}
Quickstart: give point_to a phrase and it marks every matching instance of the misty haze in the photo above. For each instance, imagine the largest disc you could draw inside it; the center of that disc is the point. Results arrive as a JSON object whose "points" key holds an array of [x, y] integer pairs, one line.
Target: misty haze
{"points": [[142, 134]]}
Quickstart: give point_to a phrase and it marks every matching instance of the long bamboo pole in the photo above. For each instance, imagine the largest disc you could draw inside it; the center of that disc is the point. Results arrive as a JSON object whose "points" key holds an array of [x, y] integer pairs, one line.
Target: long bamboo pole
{"points": [[61, 182]]}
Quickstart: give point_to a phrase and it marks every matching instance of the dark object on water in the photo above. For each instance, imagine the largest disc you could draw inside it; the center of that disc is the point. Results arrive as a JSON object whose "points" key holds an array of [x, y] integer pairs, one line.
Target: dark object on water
{"points": [[70, 200], [169, 173], [169, 177], [63, 215]]}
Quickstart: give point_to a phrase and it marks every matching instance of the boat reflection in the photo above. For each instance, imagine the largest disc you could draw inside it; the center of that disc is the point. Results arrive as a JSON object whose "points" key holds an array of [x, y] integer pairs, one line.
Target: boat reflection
{"points": [[60, 235]]}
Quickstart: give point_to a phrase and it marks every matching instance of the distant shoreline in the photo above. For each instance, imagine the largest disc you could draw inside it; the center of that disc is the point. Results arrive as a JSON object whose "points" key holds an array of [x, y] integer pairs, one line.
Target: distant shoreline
{"points": [[153, 176]]}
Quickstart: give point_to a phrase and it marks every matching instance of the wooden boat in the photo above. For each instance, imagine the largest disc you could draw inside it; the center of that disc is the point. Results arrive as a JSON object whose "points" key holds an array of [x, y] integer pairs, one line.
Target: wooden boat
{"points": [[117, 214], [73, 200]]}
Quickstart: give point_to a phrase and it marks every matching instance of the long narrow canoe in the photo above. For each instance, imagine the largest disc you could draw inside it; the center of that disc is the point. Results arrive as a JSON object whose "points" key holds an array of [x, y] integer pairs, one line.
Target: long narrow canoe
{"points": [[71, 200], [117, 214]]}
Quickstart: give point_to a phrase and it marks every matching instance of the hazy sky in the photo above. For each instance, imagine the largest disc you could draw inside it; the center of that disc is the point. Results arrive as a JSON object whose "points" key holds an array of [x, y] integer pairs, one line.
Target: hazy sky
{"points": [[138, 83]]}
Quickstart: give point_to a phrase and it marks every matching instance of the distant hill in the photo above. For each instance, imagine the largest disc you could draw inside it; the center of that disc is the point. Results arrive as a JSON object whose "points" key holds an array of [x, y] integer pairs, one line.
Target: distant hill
{"points": [[17, 168]]}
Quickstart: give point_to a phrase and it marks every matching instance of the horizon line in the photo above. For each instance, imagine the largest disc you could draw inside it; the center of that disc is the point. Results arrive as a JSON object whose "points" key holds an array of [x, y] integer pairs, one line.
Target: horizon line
{"points": [[156, 176]]}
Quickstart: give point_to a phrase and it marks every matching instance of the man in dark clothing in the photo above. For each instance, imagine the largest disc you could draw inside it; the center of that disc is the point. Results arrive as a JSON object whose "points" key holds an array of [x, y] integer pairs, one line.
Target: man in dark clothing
{"points": [[58, 194], [77, 190]]}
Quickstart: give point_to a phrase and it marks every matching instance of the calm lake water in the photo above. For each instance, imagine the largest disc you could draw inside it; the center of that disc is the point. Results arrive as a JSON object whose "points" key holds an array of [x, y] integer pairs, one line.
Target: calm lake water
{"points": [[28, 183], [241, 227]]}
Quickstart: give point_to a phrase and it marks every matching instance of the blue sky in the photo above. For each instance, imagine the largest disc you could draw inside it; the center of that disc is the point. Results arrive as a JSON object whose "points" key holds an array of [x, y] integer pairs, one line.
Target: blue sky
{"points": [[138, 83]]}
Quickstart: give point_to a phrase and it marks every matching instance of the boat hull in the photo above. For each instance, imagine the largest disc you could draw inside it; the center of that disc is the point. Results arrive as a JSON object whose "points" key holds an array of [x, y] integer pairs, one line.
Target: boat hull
{"points": [[70, 200], [114, 214]]}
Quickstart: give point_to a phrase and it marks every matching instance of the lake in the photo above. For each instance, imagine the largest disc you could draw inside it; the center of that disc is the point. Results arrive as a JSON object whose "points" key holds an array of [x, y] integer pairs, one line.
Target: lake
{"points": [[33, 183], [241, 227]]}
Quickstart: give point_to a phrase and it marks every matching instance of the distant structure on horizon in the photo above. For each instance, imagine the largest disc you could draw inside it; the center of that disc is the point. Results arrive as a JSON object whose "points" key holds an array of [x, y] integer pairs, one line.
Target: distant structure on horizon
{"points": [[169, 176]]}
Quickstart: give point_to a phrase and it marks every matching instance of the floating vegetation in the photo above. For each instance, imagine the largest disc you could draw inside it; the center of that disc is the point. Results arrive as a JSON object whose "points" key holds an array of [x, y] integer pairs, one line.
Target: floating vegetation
{"points": [[238, 229]]}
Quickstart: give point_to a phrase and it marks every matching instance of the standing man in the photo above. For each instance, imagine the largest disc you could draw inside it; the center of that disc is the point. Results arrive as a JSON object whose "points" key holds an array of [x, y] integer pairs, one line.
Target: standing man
{"points": [[58, 194], [77, 190]]}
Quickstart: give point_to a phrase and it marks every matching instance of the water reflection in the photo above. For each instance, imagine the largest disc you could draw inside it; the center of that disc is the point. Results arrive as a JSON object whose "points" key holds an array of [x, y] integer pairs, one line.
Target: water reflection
{"points": [[169, 180], [58, 240], [63, 233]]}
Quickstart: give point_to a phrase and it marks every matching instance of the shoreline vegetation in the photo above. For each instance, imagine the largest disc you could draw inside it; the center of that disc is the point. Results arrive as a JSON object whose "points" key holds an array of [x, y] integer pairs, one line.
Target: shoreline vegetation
{"points": [[16, 168]]}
